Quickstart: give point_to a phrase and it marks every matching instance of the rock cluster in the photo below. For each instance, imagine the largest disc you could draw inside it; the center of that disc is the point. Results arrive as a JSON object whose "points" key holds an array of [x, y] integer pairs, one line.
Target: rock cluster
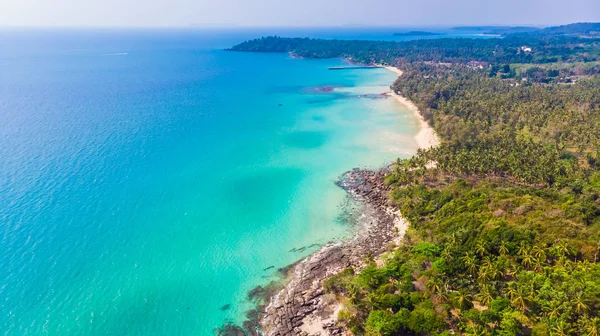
{"points": [[302, 298]]}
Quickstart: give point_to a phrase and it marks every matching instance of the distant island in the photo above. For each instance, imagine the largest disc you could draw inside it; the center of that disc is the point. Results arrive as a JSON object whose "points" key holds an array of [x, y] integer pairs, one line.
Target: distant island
{"points": [[586, 29], [418, 33], [496, 30]]}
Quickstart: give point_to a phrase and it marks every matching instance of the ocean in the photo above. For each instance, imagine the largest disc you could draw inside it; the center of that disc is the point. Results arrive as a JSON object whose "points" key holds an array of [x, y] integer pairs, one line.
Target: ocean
{"points": [[149, 179]]}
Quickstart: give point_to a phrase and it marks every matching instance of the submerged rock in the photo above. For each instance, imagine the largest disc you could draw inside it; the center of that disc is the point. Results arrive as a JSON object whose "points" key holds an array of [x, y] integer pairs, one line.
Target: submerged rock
{"points": [[302, 299], [229, 329]]}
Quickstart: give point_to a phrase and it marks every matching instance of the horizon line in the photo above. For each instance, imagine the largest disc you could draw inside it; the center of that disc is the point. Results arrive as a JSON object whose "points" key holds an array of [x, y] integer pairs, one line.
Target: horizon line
{"points": [[253, 27], [225, 26]]}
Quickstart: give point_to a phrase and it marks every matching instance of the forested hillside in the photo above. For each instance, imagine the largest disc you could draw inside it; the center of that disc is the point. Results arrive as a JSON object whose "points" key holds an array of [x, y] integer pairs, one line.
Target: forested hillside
{"points": [[505, 213]]}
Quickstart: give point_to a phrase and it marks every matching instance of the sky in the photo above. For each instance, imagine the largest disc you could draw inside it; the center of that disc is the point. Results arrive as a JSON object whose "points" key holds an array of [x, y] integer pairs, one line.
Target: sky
{"points": [[264, 13]]}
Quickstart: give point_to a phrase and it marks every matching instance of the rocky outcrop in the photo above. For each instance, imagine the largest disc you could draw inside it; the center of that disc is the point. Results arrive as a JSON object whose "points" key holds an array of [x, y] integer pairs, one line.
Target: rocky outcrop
{"points": [[302, 299]]}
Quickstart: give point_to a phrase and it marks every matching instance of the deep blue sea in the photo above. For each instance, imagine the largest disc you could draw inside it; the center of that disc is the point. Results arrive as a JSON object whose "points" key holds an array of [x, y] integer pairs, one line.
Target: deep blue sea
{"points": [[149, 179]]}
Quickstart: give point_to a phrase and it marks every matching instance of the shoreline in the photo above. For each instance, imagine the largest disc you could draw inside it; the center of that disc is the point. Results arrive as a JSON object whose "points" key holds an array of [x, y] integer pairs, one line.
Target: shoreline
{"points": [[426, 137], [301, 307]]}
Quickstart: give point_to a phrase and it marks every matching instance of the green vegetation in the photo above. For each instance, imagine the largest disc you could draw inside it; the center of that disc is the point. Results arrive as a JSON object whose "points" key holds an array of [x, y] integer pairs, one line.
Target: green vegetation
{"points": [[452, 50], [558, 72], [545, 48], [575, 29], [505, 213], [481, 258], [533, 132]]}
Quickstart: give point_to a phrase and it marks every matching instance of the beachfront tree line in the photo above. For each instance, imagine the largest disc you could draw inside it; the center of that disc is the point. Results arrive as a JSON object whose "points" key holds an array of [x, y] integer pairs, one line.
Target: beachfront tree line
{"points": [[535, 133]]}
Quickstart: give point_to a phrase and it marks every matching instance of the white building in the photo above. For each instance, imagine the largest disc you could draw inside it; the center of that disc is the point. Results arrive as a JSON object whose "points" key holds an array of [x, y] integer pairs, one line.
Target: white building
{"points": [[526, 49]]}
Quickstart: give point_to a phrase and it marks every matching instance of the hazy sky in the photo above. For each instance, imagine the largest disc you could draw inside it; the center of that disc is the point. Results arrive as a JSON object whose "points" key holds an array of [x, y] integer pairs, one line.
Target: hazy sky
{"points": [[293, 12]]}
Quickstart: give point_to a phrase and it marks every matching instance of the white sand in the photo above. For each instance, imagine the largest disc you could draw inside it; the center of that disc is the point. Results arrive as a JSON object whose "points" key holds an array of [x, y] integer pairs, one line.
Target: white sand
{"points": [[426, 138]]}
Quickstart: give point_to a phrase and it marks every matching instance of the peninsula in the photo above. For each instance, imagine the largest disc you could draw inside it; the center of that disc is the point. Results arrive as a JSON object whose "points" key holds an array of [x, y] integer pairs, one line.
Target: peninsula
{"points": [[499, 231]]}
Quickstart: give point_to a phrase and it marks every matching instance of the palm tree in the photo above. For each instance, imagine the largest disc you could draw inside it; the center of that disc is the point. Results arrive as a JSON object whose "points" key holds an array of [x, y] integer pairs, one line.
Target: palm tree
{"points": [[592, 326], [497, 270], [584, 265], [503, 249], [481, 248], [371, 302], [484, 274], [434, 285], [452, 240], [398, 165], [539, 253], [443, 294], [551, 309], [447, 254], [463, 299], [512, 270], [438, 289], [563, 248], [476, 330], [537, 266], [487, 263], [353, 294], [470, 262], [561, 328], [518, 300], [485, 295], [522, 249], [532, 291], [511, 291], [580, 306], [527, 260]]}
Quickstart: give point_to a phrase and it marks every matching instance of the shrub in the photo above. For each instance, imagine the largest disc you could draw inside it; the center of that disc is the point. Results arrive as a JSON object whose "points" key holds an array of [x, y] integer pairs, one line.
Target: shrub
{"points": [[385, 323], [425, 320]]}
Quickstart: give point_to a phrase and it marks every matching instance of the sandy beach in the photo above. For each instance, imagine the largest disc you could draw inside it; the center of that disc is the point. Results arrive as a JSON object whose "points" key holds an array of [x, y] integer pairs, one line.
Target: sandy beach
{"points": [[302, 307], [426, 137]]}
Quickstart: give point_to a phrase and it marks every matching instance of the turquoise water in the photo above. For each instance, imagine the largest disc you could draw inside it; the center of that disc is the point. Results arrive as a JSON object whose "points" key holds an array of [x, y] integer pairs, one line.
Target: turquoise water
{"points": [[147, 179]]}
